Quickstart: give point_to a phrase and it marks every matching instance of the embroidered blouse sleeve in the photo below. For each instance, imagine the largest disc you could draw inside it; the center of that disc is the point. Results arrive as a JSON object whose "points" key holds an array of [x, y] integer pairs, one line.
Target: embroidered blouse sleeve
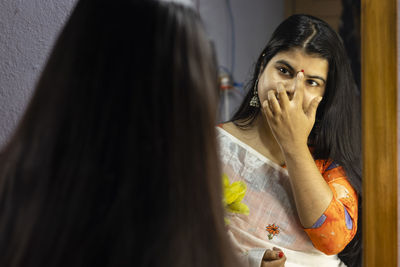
{"points": [[338, 225]]}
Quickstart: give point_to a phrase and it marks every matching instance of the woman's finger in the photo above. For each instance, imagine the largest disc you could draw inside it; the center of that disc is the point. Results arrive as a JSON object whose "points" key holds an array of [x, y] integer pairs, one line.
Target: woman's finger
{"points": [[283, 97], [273, 103], [270, 255], [274, 263], [274, 254], [267, 110], [312, 108], [299, 88]]}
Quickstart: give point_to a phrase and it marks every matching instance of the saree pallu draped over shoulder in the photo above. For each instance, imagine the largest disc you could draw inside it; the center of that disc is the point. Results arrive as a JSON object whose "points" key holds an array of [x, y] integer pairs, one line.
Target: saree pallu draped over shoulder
{"points": [[272, 220]]}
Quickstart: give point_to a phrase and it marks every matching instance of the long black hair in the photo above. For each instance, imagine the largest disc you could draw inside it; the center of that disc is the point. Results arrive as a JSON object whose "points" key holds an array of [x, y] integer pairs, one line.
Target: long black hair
{"points": [[337, 131], [115, 160]]}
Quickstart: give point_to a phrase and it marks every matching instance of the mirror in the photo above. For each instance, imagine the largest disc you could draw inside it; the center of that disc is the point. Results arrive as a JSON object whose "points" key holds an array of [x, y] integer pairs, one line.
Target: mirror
{"points": [[379, 107], [239, 32]]}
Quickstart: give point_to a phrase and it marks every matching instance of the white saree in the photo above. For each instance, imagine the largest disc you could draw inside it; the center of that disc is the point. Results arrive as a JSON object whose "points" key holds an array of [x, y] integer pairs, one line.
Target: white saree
{"points": [[270, 202]]}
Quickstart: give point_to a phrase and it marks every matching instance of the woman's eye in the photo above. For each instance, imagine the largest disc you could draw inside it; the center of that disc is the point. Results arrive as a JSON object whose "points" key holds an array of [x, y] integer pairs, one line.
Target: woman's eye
{"points": [[284, 71], [312, 83]]}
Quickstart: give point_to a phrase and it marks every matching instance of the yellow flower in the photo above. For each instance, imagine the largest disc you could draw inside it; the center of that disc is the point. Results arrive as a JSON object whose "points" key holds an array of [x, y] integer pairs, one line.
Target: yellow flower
{"points": [[233, 195]]}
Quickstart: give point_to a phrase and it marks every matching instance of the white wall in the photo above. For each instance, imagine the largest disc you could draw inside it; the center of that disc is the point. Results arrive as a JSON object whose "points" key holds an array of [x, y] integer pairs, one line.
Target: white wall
{"points": [[27, 31], [254, 22]]}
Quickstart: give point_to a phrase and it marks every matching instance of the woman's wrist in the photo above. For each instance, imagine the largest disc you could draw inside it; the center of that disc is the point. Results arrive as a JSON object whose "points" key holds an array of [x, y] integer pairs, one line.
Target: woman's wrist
{"points": [[295, 150]]}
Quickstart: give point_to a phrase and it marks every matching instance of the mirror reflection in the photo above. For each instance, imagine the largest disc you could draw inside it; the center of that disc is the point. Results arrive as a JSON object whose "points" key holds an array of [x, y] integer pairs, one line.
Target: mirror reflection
{"points": [[289, 129]]}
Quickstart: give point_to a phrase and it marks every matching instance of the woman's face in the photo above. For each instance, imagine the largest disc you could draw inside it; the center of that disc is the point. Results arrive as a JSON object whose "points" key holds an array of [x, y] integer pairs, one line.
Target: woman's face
{"points": [[283, 68]]}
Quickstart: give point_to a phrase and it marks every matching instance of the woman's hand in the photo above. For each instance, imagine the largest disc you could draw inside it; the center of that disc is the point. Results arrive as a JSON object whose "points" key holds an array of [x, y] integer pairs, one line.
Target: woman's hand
{"points": [[289, 122], [273, 258]]}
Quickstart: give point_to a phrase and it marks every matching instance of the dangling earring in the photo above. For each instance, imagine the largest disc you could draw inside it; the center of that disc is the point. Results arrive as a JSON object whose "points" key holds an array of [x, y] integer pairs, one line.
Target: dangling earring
{"points": [[255, 101]]}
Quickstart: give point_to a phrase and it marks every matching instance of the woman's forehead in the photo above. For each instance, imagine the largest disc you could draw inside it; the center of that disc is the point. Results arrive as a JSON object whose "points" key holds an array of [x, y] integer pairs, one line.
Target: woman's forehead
{"points": [[299, 59], [298, 53]]}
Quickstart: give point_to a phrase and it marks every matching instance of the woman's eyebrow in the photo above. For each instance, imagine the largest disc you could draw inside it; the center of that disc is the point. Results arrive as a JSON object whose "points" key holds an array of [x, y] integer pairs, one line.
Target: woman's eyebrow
{"points": [[284, 62], [316, 77]]}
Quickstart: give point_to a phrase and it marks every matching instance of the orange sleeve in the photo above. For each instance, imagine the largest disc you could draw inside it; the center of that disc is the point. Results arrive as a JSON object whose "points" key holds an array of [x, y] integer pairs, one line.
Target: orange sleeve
{"points": [[338, 225]]}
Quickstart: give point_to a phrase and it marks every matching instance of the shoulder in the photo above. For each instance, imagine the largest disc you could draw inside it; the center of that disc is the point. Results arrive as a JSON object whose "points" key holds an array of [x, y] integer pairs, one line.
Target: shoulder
{"points": [[230, 127], [235, 131]]}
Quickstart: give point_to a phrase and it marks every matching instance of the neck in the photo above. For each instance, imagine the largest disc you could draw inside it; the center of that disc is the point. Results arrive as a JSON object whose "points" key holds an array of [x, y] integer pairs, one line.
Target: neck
{"points": [[266, 139], [265, 135]]}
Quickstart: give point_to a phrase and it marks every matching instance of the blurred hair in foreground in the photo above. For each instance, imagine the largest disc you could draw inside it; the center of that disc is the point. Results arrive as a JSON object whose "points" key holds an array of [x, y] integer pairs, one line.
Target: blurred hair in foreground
{"points": [[114, 162]]}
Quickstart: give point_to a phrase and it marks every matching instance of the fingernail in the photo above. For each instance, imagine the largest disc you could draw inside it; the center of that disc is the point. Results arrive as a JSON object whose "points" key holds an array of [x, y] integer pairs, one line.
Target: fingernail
{"points": [[280, 254], [319, 99]]}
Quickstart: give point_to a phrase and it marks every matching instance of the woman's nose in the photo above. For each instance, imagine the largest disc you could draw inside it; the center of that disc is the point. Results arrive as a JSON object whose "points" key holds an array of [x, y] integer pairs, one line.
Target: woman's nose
{"points": [[290, 88]]}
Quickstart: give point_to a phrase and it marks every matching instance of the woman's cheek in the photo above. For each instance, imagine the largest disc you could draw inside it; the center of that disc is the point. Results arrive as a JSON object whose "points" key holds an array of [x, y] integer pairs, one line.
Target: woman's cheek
{"points": [[268, 81], [263, 92], [264, 87]]}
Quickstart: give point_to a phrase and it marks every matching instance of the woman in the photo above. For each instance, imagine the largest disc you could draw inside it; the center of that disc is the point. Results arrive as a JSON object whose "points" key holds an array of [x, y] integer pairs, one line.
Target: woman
{"points": [[295, 142], [114, 162]]}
